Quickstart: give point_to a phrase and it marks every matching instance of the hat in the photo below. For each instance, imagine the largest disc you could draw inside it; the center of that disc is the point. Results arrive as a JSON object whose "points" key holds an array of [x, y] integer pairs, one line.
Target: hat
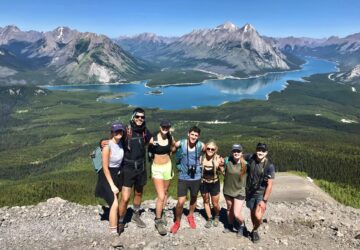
{"points": [[262, 146], [236, 147], [165, 123], [117, 126]]}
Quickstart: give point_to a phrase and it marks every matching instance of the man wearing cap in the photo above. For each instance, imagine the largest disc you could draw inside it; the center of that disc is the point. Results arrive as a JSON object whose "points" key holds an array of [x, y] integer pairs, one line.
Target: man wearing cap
{"points": [[261, 173], [134, 171]]}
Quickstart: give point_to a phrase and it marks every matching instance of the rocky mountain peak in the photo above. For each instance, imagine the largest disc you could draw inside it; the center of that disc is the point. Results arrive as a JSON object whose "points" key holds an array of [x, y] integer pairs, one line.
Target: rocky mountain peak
{"points": [[227, 26], [11, 28], [248, 28]]}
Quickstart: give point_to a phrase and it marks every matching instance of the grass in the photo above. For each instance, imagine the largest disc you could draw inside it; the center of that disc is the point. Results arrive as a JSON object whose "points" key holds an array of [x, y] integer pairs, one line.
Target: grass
{"points": [[44, 151]]}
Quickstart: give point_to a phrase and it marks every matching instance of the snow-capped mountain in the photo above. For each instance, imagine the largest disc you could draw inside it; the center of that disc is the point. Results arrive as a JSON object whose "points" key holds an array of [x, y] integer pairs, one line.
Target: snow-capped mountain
{"points": [[68, 56], [226, 49], [352, 76]]}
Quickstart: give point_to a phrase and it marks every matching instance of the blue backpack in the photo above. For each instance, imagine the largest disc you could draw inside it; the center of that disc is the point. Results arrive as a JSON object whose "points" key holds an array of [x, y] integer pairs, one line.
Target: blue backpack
{"points": [[96, 158]]}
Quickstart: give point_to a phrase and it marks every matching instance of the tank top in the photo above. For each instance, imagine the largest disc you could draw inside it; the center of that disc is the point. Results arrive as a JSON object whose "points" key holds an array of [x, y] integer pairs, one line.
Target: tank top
{"points": [[209, 172], [116, 154], [234, 184]]}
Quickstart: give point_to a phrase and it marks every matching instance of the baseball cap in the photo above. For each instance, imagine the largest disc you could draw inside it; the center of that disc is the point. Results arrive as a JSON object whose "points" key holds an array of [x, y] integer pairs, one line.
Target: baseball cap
{"points": [[165, 123], [117, 126], [262, 146], [236, 147]]}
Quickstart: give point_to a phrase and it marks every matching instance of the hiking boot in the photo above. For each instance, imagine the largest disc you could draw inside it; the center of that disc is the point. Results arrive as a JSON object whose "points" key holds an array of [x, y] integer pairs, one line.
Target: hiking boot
{"points": [[121, 227], [175, 227], [228, 229], [136, 218], [191, 221], [216, 221], [163, 218], [255, 237], [241, 231], [208, 223], [159, 225]]}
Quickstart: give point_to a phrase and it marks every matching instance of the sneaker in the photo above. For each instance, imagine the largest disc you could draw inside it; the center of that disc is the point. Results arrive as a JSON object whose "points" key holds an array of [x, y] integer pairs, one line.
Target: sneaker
{"points": [[255, 237], [191, 221], [216, 221], [136, 218], [175, 227], [208, 223], [121, 227], [228, 229], [163, 217], [240, 232], [159, 225]]}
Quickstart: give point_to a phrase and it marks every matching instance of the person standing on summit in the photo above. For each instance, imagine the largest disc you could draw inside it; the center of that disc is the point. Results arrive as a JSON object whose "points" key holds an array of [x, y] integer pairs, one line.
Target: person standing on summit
{"points": [[134, 171], [259, 182], [189, 166]]}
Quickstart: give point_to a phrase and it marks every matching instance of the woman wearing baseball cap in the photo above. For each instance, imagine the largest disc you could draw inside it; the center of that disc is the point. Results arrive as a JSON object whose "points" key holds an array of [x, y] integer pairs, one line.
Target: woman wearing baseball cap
{"points": [[234, 188], [108, 179], [162, 145]]}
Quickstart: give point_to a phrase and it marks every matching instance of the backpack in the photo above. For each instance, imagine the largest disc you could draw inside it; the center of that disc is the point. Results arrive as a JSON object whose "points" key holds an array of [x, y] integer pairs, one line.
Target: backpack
{"points": [[96, 158], [182, 151]]}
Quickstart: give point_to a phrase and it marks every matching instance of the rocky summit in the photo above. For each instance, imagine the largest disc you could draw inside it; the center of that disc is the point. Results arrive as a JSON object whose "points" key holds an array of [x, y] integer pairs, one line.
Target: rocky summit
{"points": [[60, 224]]}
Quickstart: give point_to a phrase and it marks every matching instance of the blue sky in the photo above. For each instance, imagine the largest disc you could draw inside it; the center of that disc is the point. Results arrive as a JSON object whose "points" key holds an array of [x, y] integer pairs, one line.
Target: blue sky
{"points": [[277, 18]]}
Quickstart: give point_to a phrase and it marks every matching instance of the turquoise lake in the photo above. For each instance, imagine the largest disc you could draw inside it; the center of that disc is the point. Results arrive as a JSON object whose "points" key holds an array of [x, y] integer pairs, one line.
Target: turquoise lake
{"points": [[207, 93]]}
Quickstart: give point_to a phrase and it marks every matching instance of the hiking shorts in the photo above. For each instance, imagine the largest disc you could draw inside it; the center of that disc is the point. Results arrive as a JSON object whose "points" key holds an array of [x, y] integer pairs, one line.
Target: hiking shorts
{"points": [[103, 189], [133, 178], [162, 171], [185, 185], [212, 188], [253, 201]]}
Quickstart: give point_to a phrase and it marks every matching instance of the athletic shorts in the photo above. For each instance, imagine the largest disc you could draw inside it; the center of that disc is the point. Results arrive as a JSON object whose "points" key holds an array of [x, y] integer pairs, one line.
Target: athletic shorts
{"points": [[163, 171], [185, 185], [212, 188], [253, 201], [133, 178], [103, 189], [238, 197]]}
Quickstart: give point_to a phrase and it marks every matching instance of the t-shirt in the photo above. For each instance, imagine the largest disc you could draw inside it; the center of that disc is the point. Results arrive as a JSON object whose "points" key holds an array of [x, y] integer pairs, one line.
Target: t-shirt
{"points": [[234, 183], [258, 173]]}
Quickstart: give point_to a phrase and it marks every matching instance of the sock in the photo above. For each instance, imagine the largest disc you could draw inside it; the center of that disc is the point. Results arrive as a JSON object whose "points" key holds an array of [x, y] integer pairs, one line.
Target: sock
{"points": [[136, 208]]}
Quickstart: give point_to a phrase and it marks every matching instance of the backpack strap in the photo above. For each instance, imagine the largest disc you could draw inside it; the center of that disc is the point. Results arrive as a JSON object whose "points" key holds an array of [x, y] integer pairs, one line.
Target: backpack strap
{"points": [[128, 136]]}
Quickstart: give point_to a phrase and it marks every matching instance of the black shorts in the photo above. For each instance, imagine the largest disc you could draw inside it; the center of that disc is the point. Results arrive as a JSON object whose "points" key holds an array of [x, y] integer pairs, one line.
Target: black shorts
{"points": [[184, 185], [103, 189], [212, 188], [133, 178], [239, 197]]}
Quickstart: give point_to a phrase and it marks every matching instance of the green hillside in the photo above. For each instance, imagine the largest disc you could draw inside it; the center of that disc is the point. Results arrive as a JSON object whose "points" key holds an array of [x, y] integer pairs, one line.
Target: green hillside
{"points": [[45, 138]]}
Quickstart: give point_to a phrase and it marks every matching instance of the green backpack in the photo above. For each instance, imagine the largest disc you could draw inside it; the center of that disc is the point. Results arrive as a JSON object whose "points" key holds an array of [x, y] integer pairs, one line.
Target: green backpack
{"points": [[96, 158]]}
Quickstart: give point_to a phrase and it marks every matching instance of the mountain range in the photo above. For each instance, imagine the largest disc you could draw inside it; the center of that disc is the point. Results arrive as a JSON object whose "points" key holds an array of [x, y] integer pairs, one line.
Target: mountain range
{"points": [[66, 56]]}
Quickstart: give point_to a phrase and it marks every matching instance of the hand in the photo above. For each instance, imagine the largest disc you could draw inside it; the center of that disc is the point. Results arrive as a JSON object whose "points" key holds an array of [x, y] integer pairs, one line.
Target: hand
{"points": [[104, 143], [262, 205], [114, 189]]}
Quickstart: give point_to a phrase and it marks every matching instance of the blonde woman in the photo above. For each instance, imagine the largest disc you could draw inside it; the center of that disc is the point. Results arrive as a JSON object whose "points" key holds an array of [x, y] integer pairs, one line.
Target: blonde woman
{"points": [[234, 188], [210, 183]]}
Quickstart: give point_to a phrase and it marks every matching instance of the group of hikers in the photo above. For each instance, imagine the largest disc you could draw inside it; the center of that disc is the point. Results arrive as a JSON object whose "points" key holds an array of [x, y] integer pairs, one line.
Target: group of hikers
{"points": [[248, 178]]}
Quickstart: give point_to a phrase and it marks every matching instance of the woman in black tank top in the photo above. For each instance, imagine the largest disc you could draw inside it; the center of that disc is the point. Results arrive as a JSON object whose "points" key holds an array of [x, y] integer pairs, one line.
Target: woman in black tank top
{"points": [[161, 146], [210, 184]]}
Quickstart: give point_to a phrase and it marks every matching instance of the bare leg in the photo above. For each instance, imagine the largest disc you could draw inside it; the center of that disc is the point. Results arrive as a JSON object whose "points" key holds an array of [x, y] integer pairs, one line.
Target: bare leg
{"points": [[229, 209], [215, 202], [113, 215], [238, 205], [159, 186], [192, 205], [179, 208], [207, 205], [125, 196]]}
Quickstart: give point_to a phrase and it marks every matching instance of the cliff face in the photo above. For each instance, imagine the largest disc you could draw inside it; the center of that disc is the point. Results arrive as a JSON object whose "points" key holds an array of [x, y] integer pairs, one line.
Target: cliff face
{"points": [[307, 220]]}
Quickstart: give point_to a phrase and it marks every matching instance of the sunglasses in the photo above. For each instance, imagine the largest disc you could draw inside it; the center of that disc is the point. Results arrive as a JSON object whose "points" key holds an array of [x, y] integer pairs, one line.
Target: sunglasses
{"points": [[236, 151], [165, 127], [211, 149], [261, 150], [140, 117]]}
